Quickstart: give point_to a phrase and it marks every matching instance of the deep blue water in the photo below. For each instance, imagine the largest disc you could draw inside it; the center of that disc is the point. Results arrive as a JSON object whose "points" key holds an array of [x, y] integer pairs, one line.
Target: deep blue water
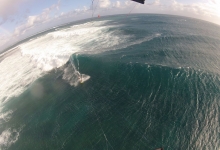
{"points": [[158, 88]]}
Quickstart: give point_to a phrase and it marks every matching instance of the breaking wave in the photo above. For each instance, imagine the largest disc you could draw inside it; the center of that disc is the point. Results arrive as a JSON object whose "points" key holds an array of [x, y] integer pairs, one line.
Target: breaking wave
{"points": [[146, 82], [52, 50]]}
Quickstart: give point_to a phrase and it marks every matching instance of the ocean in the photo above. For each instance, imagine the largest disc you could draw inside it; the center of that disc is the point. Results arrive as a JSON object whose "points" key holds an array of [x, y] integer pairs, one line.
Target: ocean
{"points": [[124, 82]]}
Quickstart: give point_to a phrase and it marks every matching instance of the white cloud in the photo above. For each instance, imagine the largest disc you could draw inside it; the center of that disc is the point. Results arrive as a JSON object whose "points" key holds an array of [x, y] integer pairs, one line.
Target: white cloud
{"points": [[202, 10], [34, 24], [214, 1], [36, 20], [104, 3], [8, 8], [207, 10], [117, 4], [156, 2]]}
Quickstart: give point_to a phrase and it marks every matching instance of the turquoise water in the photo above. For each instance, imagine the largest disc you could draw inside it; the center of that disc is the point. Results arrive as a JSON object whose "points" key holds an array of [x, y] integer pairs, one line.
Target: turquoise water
{"points": [[157, 87]]}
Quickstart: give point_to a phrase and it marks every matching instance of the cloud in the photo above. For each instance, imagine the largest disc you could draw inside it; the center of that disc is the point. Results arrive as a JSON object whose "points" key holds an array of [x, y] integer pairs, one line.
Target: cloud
{"points": [[157, 2], [9, 7], [33, 24], [104, 3], [214, 1], [207, 10], [117, 4], [202, 10], [36, 20]]}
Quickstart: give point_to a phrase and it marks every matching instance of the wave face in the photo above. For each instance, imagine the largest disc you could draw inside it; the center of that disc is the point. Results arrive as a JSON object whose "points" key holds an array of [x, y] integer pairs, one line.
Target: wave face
{"points": [[137, 82]]}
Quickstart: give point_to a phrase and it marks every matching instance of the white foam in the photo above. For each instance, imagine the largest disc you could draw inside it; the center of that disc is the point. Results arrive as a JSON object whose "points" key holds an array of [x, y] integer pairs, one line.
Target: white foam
{"points": [[52, 50], [37, 56], [6, 116], [16, 74], [8, 137], [73, 76]]}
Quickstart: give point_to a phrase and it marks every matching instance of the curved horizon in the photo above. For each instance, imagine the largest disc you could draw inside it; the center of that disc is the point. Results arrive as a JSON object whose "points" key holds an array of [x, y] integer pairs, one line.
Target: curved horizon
{"points": [[21, 19], [51, 28]]}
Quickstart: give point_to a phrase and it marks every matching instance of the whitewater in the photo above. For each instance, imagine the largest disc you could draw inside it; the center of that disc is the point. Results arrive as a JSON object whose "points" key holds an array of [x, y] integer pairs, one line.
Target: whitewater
{"points": [[34, 58], [138, 82]]}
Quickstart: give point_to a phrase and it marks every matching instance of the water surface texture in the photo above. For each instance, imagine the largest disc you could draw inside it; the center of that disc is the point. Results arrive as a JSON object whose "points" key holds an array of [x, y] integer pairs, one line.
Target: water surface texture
{"points": [[121, 82]]}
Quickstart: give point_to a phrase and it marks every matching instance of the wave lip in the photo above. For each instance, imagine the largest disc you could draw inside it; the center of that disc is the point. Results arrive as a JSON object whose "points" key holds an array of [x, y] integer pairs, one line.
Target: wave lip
{"points": [[37, 56], [73, 76]]}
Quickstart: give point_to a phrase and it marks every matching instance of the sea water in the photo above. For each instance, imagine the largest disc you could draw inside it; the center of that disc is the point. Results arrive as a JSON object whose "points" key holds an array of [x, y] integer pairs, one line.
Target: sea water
{"points": [[117, 82]]}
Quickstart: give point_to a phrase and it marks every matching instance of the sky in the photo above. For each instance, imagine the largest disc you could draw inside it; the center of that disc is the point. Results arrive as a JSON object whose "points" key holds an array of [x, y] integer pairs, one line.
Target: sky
{"points": [[20, 19]]}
